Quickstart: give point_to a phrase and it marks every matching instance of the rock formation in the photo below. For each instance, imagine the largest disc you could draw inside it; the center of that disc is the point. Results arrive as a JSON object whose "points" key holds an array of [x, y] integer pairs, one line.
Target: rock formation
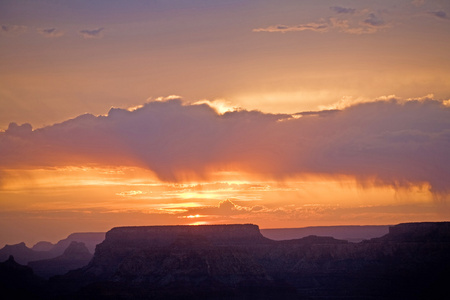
{"points": [[46, 250], [74, 257], [354, 234], [236, 262], [42, 246], [208, 261], [19, 282], [22, 254], [90, 239]]}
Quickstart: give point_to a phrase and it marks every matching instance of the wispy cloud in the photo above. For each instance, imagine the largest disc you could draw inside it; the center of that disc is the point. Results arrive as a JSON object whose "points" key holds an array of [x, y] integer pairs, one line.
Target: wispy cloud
{"points": [[385, 142], [349, 20], [374, 20], [50, 32], [321, 27], [440, 14], [343, 10], [12, 29], [92, 33]]}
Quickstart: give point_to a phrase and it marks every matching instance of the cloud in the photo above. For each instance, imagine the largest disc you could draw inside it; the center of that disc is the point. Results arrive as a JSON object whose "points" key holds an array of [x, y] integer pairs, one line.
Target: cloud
{"points": [[358, 22], [347, 101], [226, 208], [50, 32], [440, 14], [346, 26], [387, 142], [374, 20], [12, 29], [220, 105], [19, 130], [92, 34], [320, 27], [343, 10]]}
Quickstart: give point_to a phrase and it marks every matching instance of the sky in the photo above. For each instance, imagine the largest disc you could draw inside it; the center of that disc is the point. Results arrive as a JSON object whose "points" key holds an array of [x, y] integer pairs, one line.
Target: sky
{"points": [[277, 113]]}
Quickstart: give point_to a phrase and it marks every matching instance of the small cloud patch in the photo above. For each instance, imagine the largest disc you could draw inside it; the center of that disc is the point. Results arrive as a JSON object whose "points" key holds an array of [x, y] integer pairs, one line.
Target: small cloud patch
{"points": [[12, 29], [92, 33], [50, 32], [440, 15]]}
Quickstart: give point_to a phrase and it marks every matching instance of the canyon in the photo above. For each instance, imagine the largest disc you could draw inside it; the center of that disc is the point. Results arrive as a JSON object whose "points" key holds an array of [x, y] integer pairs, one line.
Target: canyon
{"points": [[236, 261]]}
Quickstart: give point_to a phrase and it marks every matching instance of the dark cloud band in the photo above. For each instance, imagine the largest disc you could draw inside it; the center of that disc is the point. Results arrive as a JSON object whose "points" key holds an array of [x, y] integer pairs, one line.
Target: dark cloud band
{"points": [[385, 142]]}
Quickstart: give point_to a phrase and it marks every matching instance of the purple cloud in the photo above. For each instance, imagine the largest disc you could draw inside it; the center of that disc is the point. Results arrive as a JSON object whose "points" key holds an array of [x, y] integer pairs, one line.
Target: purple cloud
{"points": [[50, 32], [383, 143], [374, 20], [92, 34], [440, 14], [351, 21], [321, 27], [343, 10], [12, 29]]}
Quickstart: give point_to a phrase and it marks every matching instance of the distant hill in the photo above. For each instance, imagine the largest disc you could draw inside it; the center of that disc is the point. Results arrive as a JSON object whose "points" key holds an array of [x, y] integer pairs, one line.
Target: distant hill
{"points": [[74, 257], [353, 234], [90, 239], [22, 254], [46, 250], [43, 246]]}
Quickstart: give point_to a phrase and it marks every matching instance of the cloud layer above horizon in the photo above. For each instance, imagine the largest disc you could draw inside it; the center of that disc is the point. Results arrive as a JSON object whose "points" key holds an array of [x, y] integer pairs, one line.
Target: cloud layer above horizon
{"points": [[393, 142]]}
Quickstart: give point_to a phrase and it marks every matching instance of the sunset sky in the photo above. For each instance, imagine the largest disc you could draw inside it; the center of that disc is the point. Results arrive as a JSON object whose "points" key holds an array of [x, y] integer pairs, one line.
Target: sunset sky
{"points": [[273, 112]]}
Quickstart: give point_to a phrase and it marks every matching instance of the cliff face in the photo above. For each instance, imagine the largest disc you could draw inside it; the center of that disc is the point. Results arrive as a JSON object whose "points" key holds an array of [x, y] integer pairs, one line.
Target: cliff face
{"points": [[165, 235], [412, 261], [420, 232], [167, 254]]}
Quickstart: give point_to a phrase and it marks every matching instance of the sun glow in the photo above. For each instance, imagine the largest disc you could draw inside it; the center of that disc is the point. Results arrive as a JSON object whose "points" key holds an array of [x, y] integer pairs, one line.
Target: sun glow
{"points": [[199, 223], [191, 216], [199, 195], [107, 197], [221, 106]]}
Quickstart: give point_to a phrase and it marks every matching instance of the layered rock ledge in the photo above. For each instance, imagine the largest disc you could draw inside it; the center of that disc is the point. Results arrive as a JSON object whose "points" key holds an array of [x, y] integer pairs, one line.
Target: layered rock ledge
{"points": [[168, 262], [166, 235]]}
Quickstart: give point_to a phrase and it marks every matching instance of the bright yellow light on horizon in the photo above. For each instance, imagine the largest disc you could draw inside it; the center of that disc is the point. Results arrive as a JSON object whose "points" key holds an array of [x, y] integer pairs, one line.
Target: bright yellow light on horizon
{"points": [[199, 223], [109, 195]]}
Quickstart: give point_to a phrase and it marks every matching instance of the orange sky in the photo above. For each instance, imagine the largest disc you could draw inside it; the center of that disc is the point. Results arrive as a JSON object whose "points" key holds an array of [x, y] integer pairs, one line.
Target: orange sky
{"points": [[239, 143], [47, 204]]}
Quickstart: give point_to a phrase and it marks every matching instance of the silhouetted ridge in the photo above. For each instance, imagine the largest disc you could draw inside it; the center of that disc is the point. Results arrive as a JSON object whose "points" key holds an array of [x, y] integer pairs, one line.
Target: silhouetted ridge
{"points": [[74, 257], [90, 239], [166, 235], [22, 254], [18, 281], [352, 233], [415, 232], [235, 262], [43, 246]]}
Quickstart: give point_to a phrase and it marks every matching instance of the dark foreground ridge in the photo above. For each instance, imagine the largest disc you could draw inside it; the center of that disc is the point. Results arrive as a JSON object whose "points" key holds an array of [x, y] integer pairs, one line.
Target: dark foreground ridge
{"points": [[236, 262]]}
